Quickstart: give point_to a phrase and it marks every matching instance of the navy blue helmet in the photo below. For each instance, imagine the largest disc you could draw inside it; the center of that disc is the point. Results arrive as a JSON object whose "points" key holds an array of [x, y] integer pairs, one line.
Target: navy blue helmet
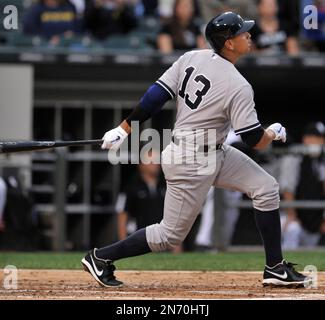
{"points": [[225, 26]]}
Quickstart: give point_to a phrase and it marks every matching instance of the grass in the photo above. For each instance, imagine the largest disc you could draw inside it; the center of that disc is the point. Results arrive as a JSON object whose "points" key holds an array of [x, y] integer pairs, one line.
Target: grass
{"points": [[229, 261]]}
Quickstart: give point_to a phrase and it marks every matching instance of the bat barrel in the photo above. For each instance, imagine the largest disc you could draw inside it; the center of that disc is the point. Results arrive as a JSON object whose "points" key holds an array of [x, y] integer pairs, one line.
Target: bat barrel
{"points": [[20, 146]]}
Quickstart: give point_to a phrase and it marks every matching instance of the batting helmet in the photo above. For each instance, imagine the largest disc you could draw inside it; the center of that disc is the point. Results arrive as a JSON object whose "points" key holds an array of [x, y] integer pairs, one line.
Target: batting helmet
{"points": [[225, 26]]}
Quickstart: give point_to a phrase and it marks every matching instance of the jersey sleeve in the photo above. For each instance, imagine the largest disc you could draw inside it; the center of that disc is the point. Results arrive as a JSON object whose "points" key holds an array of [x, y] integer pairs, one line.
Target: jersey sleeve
{"points": [[242, 113], [170, 79]]}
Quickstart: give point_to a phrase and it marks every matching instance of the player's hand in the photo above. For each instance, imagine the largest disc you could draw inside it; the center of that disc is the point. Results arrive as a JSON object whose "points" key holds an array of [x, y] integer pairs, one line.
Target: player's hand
{"points": [[114, 138], [279, 131]]}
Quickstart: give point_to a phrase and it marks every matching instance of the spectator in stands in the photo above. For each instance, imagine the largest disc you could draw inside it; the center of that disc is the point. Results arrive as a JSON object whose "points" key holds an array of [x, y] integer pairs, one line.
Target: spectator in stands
{"points": [[210, 8], [302, 177], [322, 231], [150, 7], [166, 9], [3, 198], [80, 6], [270, 34], [51, 19], [181, 32], [19, 232], [289, 12], [107, 17]]}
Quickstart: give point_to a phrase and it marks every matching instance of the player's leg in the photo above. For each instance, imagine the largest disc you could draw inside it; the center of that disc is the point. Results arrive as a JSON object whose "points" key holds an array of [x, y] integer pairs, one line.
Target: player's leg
{"points": [[99, 262], [187, 187], [204, 235], [183, 202], [182, 205], [241, 173], [186, 191]]}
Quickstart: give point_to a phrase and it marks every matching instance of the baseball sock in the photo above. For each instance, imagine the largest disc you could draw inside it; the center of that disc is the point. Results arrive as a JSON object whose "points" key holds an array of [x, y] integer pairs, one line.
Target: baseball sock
{"points": [[269, 226], [134, 245]]}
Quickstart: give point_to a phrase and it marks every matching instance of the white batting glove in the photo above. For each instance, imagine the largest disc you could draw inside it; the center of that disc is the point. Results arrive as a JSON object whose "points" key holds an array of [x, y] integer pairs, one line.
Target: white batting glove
{"points": [[279, 131], [114, 138]]}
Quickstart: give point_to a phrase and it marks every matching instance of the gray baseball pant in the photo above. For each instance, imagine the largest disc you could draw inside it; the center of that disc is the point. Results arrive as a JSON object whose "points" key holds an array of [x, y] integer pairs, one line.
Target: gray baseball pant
{"points": [[188, 185]]}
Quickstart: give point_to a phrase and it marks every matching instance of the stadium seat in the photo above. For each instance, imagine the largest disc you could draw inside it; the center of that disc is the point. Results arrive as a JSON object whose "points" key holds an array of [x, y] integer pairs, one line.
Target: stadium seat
{"points": [[18, 39], [149, 24], [146, 39], [120, 42]]}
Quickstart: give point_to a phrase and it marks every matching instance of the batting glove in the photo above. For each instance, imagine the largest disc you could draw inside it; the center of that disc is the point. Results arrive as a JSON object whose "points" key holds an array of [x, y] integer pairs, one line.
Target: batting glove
{"points": [[279, 131], [114, 138]]}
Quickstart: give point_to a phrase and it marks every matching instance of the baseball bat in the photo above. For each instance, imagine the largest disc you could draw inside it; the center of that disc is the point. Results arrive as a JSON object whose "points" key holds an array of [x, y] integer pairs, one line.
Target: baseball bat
{"points": [[19, 146]]}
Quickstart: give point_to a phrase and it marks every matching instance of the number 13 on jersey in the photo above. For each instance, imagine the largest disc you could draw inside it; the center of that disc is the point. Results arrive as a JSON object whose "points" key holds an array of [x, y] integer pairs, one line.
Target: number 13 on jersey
{"points": [[199, 93]]}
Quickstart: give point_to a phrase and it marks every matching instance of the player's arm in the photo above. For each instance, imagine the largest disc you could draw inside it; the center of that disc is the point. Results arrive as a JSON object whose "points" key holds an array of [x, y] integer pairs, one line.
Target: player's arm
{"points": [[151, 103], [260, 138]]}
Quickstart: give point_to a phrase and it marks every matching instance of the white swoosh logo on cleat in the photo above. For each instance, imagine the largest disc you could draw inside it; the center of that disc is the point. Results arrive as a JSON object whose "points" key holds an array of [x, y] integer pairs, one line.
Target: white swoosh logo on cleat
{"points": [[281, 276], [99, 273]]}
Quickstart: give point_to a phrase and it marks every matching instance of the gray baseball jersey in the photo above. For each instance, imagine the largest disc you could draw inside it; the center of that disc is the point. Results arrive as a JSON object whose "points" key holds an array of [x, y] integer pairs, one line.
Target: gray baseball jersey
{"points": [[211, 94]]}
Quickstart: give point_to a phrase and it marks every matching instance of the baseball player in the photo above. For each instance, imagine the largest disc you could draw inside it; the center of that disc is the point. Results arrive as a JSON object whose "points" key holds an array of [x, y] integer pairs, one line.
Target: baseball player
{"points": [[210, 94]]}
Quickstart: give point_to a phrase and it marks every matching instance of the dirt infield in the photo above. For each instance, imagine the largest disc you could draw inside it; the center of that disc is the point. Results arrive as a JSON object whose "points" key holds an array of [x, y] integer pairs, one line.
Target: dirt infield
{"points": [[68, 284]]}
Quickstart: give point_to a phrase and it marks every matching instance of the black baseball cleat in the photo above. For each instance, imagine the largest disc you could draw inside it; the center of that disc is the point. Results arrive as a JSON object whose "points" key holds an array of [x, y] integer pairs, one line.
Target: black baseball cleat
{"points": [[102, 270], [284, 274]]}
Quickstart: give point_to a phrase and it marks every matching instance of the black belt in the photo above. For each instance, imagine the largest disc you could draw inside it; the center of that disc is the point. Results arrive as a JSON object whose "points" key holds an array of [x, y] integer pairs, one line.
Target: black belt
{"points": [[205, 148]]}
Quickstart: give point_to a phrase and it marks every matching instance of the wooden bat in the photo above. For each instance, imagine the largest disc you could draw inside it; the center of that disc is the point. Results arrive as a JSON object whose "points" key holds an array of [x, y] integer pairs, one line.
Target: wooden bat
{"points": [[19, 146]]}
